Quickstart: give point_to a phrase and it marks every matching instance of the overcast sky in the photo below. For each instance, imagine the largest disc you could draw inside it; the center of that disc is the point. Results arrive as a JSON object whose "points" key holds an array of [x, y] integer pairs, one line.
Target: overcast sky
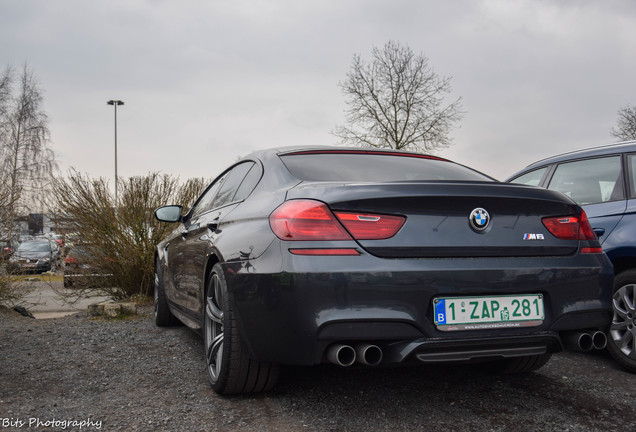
{"points": [[205, 82]]}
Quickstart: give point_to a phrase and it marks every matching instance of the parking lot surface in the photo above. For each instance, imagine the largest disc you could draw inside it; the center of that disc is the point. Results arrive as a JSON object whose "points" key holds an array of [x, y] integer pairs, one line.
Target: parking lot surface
{"points": [[130, 375]]}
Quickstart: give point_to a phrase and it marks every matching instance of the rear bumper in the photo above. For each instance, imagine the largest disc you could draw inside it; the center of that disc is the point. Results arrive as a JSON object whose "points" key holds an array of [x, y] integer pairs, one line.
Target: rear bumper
{"points": [[290, 309]]}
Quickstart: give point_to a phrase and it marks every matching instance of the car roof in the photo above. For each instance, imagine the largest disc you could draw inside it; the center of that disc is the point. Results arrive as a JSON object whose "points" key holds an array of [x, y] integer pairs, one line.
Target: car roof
{"points": [[621, 147]]}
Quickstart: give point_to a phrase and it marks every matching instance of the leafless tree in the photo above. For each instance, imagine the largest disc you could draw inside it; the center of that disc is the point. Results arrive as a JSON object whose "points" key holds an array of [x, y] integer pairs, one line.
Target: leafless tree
{"points": [[28, 161], [397, 101], [625, 129]]}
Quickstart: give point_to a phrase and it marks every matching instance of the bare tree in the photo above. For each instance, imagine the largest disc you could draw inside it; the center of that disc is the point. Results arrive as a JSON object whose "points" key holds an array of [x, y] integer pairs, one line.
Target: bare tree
{"points": [[625, 129], [27, 160], [5, 204], [397, 101]]}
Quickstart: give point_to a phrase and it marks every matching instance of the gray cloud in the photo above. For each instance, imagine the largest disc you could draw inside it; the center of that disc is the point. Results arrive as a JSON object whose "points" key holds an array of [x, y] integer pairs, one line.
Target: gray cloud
{"points": [[205, 82]]}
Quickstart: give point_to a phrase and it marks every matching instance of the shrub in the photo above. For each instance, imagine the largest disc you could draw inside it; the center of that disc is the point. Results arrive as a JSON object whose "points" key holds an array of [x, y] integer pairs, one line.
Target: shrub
{"points": [[121, 238]]}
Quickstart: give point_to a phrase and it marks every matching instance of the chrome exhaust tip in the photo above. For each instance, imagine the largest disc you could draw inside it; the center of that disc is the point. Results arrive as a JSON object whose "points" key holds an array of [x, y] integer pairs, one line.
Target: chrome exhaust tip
{"points": [[599, 340], [579, 341], [341, 354], [369, 355]]}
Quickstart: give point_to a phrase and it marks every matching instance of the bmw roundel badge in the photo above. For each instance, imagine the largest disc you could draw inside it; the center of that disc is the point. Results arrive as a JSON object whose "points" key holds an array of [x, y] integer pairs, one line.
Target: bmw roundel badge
{"points": [[479, 219]]}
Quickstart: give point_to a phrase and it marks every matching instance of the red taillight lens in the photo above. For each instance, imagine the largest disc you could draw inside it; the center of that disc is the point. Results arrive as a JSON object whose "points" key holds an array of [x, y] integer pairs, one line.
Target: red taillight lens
{"points": [[306, 220], [586, 232], [313, 220], [371, 226], [565, 228], [570, 227]]}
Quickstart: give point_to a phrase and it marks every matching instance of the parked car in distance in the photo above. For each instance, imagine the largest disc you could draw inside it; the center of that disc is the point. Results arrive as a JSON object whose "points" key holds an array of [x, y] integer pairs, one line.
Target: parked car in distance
{"points": [[602, 180], [7, 247], [82, 269], [34, 256], [376, 257]]}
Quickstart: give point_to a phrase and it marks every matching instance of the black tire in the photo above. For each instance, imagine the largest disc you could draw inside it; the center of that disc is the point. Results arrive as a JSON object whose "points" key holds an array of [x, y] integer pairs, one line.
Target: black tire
{"points": [[621, 336], [162, 314], [520, 365], [229, 366]]}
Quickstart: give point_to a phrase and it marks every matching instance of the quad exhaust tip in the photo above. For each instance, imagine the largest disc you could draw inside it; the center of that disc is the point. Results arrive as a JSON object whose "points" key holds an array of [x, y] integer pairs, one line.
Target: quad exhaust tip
{"points": [[599, 340], [341, 354], [369, 355], [346, 355], [586, 341]]}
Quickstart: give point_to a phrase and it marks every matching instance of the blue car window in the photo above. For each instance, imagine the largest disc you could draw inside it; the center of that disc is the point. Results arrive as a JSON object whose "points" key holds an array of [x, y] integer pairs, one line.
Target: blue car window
{"points": [[632, 167], [590, 181], [532, 178]]}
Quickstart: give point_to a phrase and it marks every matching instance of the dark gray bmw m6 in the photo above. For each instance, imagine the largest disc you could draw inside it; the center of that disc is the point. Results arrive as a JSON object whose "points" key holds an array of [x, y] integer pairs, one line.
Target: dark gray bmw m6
{"points": [[374, 257]]}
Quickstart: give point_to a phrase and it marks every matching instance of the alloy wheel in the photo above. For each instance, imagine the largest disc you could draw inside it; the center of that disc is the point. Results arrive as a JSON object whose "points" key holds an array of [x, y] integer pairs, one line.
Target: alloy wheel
{"points": [[214, 328], [156, 294], [623, 328]]}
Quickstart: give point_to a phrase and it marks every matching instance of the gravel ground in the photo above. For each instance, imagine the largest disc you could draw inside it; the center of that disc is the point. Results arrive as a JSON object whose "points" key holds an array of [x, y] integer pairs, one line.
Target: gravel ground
{"points": [[130, 375]]}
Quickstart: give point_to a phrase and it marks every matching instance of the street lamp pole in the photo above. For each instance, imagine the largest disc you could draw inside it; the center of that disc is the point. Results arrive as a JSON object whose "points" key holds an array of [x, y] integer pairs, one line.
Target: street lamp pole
{"points": [[115, 103]]}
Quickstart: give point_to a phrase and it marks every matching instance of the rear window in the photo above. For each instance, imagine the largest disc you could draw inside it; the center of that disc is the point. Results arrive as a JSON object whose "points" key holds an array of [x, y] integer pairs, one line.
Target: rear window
{"points": [[369, 167], [533, 178]]}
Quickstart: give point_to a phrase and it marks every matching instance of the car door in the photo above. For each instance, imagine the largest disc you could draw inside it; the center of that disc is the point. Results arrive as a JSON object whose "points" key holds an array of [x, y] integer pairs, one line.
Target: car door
{"points": [[621, 242], [189, 251], [597, 185], [176, 249]]}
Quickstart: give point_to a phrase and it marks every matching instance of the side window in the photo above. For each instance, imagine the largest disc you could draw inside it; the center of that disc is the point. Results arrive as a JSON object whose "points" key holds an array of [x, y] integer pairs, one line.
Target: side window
{"points": [[590, 181], [205, 202], [532, 178], [249, 183], [632, 168], [231, 184]]}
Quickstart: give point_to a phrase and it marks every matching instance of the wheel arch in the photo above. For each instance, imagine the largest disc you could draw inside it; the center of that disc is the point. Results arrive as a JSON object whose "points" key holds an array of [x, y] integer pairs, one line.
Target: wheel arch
{"points": [[623, 261]]}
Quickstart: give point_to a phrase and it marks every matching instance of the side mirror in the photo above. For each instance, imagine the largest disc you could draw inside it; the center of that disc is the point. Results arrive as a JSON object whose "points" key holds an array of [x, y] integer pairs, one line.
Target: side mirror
{"points": [[171, 213]]}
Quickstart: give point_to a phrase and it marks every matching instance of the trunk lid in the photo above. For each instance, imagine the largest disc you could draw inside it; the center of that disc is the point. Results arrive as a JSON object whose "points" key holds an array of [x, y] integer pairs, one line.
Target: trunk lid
{"points": [[438, 217]]}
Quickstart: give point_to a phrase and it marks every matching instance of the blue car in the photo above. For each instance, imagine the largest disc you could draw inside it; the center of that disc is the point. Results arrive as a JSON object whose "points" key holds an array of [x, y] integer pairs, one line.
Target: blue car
{"points": [[602, 181]]}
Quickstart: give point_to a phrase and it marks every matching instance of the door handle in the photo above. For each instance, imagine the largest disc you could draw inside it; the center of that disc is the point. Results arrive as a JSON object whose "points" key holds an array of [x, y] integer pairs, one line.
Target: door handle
{"points": [[598, 231], [213, 225]]}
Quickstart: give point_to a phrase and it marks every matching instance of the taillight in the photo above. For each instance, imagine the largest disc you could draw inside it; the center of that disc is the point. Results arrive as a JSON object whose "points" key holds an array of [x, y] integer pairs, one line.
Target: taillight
{"points": [[565, 227], [313, 220], [306, 220], [573, 228], [371, 226], [570, 227], [585, 231]]}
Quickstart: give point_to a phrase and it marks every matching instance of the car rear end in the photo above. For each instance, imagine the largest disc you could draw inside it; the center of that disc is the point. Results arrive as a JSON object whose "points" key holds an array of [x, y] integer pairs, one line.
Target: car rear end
{"points": [[425, 260]]}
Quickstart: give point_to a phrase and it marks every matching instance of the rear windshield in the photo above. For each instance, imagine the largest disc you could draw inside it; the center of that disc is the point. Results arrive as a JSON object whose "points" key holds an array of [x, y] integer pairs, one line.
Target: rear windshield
{"points": [[365, 167], [35, 247]]}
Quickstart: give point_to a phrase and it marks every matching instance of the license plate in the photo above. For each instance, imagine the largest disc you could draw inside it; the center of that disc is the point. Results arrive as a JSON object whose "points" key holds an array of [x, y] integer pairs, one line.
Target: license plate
{"points": [[476, 313]]}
